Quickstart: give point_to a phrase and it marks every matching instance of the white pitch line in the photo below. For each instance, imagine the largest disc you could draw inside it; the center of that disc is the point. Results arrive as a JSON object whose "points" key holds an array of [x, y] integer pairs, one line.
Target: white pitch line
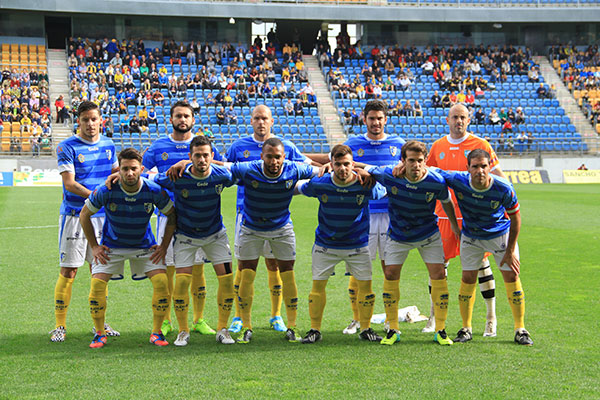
{"points": [[12, 228]]}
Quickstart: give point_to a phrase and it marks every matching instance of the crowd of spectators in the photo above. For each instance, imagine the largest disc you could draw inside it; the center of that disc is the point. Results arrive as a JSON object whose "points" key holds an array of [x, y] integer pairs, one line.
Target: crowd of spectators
{"points": [[24, 100]]}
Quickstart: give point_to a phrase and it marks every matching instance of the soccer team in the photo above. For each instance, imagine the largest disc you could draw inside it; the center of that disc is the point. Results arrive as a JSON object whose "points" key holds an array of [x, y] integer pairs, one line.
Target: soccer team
{"points": [[377, 195]]}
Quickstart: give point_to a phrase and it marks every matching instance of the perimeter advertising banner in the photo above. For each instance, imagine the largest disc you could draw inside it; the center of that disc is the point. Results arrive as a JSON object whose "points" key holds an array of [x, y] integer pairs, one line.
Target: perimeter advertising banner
{"points": [[41, 178], [581, 176], [528, 176], [6, 178]]}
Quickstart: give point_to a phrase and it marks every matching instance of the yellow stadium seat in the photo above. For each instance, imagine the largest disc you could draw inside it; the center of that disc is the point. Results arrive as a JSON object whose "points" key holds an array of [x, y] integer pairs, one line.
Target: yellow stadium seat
{"points": [[6, 130], [23, 49], [41, 49], [14, 48], [5, 145], [33, 49], [15, 127], [5, 48]]}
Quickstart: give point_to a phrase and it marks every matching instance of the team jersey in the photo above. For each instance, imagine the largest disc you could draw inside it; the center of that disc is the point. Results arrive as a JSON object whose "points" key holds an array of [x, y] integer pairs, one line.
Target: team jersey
{"points": [[343, 211], [412, 204], [378, 153], [127, 223], [198, 200], [451, 155], [250, 149], [267, 200], [483, 210], [91, 163]]}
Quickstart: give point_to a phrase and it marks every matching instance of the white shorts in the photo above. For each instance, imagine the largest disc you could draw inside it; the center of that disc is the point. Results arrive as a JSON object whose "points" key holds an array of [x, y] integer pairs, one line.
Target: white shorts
{"points": [[472, 251], [73, 247], [324, 260], [215, 246], [139, 263], [251, 243], [161, 223], [378, 227], [266, 253], [431, 250]]}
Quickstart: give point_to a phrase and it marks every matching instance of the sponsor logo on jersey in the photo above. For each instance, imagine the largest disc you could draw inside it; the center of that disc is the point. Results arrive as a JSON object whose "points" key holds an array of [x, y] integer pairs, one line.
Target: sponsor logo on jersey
{"points": [[112, 207], [185, 193], [494, 204], [360, 198], [246, 153], [324, 198], [360, 152], [393, 150], [81, 158], [148, 207], [164, 156], [429, 196], [442, 155], [394, 190], [254, 184], [109, 154], [219, 188]]}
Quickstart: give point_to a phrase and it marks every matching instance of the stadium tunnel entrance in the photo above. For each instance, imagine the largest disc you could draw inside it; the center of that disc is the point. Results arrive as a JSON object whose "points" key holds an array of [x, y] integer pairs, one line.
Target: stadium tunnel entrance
{"points": [[57, 30], [303, 33]]}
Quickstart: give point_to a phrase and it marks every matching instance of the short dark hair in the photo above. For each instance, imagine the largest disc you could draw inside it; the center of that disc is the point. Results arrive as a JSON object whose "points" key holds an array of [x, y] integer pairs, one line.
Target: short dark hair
{"points": [[200, 140], [340, 150], [413, 145], [181, 103], [275, 142], [87, 106], [130, 154], [478, 153], [375, 105]]}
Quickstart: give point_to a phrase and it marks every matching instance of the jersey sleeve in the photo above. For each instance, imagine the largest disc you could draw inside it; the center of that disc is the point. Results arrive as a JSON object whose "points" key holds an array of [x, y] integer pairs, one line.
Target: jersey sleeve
{"points": [[114, 160], [432, 157], [378, 192], [307, 188], [164, 181], [239, 169], [148, 161], [510, 202], [376, 172], [65, 159], [306, 171], [162, 201], [97, 199], [295, 155], [494, 162], [230, 154], [217, 156]]}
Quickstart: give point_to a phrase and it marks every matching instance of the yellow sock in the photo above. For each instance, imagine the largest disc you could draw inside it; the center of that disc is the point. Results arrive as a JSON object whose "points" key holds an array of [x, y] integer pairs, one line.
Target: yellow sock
{"points": [[516, 299], [97, 301], [160, 300], [62, 299], [290, 297], [170, 280], [198, 291], [439, 295], [181, 300], [316, 303], [391, 296], [353, 292], [236, 290], [246, 295], [366, 303], [275, 289], [466, 301], [224, 299]]}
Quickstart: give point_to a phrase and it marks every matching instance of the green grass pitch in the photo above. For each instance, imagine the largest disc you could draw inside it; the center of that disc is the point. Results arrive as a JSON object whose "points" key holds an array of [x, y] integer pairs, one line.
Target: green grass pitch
{"points": [[560, 273]]}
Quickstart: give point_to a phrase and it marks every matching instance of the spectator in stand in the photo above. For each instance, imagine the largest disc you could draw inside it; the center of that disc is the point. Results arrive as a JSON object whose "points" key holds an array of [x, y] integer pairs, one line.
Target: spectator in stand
{"points": [[479, 116], [446, 102], [493, 117], [231, 116], [221, 116], [289, 107], [298, 108], [152, 117], [542, 91], [134, 125], [582, 167], [108, 126], [418, 110], [436, 100], [59, 105]]}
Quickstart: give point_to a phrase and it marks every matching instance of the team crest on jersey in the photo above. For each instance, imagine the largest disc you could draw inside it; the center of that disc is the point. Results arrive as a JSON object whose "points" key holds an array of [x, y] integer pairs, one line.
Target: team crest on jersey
{"points": [[393, 150], [254, 184], [428, 196], [148, 207], [360, 152], [112, 207], [81, 158], [459, 196], [246, 154], [442, 155], [185, 193], [360, 198], [164, 156], [219, 188], [494, 204], [288, 184], [394, 190], [467, 153], [109, 154], [324, 198]]}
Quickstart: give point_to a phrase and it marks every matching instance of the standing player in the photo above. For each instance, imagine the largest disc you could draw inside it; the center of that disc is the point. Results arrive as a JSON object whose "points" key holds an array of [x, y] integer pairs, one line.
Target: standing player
{"points": [[127, 235], [450, 153], [84, 162], [200, 228], [342, 235], [413, 225], [269, 185], [485, 201], [162, 154]]}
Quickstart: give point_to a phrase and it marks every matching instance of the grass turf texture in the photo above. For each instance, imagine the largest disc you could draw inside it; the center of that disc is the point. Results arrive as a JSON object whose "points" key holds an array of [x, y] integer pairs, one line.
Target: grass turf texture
{"points": [[560, 274]]}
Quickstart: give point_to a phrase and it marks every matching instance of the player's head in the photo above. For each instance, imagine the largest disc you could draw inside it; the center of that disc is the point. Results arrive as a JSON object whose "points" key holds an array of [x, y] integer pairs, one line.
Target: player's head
{"points": [[458, 120], [90, 120], [130, 166], [375, 117], [262, 121], [414, 154], [201, 154], [478, 162], [273, 155], [342, 162], [182, 117]]}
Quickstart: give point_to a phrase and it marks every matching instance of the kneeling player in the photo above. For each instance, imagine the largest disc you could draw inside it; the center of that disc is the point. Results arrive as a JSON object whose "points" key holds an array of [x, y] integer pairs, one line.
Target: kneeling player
{"points": [[484, 201], [200, 226], [342, 235], [413, 225], [127, 235]]}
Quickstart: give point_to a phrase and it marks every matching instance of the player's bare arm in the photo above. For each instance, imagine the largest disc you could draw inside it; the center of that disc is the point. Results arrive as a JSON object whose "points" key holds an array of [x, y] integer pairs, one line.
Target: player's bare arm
{"points": [[509, 256], [100, 251], [449, 210], [176, 170], [73, 186], [498, 171], [318, 159], [160, 251], [399, 170]]}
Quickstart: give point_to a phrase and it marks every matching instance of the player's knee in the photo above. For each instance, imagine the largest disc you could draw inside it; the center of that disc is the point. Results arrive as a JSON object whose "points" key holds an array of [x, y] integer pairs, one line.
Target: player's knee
{"points": [[469, 277], [68, 272]]}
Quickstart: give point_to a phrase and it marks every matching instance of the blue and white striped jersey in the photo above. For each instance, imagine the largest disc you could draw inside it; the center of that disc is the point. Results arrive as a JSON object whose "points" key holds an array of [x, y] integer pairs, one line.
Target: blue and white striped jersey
{"points": [[127, 223], [343, 211], [91, 163], [198, 200], [412, 204], [166, 152]]}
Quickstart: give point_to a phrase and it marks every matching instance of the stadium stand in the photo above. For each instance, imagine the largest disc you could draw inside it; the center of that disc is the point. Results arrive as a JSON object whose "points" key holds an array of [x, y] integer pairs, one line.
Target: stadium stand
{"points": [[510, 104], [25, 119], [135, 87]]}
